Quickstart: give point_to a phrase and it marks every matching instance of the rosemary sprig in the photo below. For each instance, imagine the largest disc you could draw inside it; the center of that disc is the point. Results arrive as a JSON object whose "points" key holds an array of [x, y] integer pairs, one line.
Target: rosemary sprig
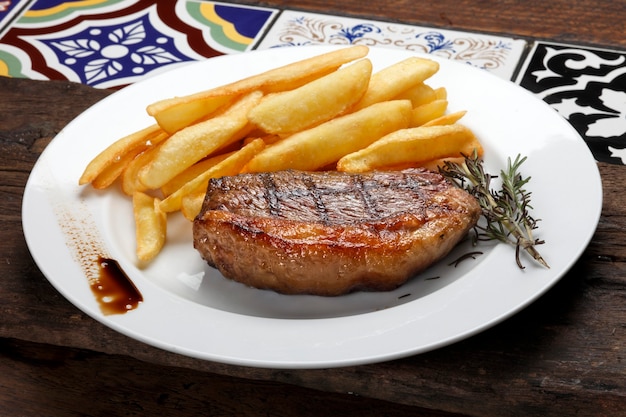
{"points": [[506, 211]]}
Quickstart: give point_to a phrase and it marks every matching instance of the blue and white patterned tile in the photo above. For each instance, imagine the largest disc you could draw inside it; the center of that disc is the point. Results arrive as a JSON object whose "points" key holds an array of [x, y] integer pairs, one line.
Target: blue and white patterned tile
{"points": [[498, 55], [112, 43], [9, 9], [587, 86]]}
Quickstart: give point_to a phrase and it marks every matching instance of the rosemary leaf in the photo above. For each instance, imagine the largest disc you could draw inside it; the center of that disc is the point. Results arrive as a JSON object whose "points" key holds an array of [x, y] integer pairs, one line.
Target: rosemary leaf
{"points": [[506, 211]]}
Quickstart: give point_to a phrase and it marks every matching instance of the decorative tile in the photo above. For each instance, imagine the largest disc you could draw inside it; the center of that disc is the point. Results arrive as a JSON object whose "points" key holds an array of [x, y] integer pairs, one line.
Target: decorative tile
{"points": [[8, 10], [498, 55], [112, 43], [588, 88]]}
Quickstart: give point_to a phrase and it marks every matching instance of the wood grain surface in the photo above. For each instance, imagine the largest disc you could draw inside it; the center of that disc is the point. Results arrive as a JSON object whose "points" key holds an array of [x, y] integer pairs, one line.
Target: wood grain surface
{"points": [[564, 355]]}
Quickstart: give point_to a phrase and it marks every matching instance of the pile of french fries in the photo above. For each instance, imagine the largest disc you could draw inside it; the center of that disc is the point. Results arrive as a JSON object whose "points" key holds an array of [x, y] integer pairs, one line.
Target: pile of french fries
{"points": [[326, 112]]}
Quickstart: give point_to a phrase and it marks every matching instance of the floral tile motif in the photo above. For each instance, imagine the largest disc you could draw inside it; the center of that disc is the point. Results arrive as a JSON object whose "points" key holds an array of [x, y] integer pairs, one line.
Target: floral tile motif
{"points": [[8, 10], [588, 88], [498, 55], [112, 43]]}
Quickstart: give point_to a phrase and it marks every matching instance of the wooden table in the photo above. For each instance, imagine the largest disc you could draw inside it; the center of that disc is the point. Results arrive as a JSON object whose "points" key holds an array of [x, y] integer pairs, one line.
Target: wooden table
{"points": [[564, 355]]}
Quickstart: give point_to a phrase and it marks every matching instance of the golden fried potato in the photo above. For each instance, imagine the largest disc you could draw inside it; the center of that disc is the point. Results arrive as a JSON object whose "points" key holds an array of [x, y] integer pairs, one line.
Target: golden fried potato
{"points": [[150, 226], [116, 152], [188, 146], [313, 103], [112, 172], [441, 93], [397, 78], [192, 172], [176, 113], [324, 144], [296, 74], [191, 205], [129, 178], [268, 139], [229, 166], [446, 119], [188, 110], [412, 146], [420, 94], [427, 112], [119, 167]]}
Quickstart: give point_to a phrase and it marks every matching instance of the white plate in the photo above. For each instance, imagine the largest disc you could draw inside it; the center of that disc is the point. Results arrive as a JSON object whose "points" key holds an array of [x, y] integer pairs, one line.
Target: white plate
{"points": [[190, 309]]}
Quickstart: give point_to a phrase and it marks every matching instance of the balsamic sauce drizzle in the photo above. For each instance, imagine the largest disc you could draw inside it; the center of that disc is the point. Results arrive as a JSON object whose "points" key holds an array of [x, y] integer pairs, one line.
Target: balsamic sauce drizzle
{"points": [[114, 291]]}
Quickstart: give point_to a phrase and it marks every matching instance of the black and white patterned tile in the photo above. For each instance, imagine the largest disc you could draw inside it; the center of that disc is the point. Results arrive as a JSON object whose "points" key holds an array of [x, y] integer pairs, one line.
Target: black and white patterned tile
{"points": [[587, 87]]}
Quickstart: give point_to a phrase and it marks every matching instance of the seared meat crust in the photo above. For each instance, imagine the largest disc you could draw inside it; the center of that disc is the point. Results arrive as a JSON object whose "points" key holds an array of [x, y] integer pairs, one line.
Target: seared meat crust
{"points": [[330, 233]]}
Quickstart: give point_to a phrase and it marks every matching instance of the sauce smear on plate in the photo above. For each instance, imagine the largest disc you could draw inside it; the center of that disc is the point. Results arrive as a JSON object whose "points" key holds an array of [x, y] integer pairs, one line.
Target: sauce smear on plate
{"points": [[114, 291]]}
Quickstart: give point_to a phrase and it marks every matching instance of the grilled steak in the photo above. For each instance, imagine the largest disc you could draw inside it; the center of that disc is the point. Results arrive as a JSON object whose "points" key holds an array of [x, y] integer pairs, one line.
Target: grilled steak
{"points": [[330, 233]]}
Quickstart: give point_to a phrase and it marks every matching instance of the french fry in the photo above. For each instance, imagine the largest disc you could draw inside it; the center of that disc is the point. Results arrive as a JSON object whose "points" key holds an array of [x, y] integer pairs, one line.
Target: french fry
{"points": [[150, 226], [112, 172], [192, 172], [191, 205], [229, 166], [129, 176], [413, 145], [176, 113], [188, 146], [294, 75], [268, 139], [397, 78], [313, 103], [120, 166], [441, 93], [324, 144], [446, 119], [420, 94], [188, 110], [427, 112], [129, 179], [116, 151]]}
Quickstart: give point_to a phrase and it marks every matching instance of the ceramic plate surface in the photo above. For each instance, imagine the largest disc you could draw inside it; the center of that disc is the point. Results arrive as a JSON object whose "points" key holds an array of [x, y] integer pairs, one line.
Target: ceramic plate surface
{"points": [[191, 309]]}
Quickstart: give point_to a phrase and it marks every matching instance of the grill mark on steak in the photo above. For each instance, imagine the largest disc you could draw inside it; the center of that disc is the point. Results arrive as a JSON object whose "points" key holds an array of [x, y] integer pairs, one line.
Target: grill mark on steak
{"points": [[316, 193], [368, 201], [271, 194], [416, 186]]}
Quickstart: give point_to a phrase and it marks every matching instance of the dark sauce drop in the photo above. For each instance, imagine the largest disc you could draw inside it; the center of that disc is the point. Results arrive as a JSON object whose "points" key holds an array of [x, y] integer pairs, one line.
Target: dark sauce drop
{"points": [[114, 291]]}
